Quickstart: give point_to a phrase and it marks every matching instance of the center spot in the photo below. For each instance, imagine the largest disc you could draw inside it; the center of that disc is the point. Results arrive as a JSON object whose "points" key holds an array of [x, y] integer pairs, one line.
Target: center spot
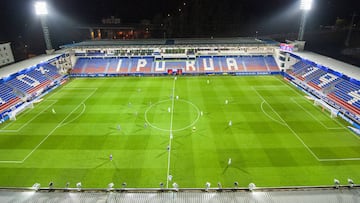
{"points": [[185, 115]]}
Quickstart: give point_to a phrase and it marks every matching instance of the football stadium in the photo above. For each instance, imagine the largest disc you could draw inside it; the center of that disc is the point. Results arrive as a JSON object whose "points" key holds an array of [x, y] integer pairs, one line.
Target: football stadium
{"points": [[219, 113], [175, 120]]}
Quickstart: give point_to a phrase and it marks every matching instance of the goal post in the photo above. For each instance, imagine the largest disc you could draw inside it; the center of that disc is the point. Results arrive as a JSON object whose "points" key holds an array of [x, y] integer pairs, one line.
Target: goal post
{"points": [[16, 111], [333, 112], [12, 116]]}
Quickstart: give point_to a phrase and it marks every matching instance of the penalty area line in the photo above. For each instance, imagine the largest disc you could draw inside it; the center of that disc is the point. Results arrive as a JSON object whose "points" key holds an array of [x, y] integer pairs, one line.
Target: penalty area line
{"points": [[59, 125], [316, 119], [25, 124], [52, 131], [287, 125]]}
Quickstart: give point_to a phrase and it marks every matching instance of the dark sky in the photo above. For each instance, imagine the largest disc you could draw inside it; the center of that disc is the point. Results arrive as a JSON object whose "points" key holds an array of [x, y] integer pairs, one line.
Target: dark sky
{"points": [[197, 17]]}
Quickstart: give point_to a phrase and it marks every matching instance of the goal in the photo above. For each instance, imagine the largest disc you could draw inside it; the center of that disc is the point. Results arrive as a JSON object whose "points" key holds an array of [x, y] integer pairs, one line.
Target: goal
{"points": [[333, 112], [16, 111]]}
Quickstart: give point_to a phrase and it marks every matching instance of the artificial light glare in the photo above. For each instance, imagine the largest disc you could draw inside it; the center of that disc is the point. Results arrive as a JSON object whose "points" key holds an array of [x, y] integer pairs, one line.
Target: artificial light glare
{"points": [[41, 8], [305, 4]]}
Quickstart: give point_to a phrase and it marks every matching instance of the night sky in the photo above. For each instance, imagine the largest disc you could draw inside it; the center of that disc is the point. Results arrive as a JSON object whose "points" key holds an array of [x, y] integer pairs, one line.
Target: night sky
{"points": [[197, 18]]}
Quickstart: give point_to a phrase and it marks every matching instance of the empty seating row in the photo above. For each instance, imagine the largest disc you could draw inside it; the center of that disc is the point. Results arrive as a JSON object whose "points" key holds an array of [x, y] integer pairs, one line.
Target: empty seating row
{"points": [[271, 63], [348, 92], [150, 65], [7, 97], [325, 80], [5, 93], [300, 66], [51, 71]]}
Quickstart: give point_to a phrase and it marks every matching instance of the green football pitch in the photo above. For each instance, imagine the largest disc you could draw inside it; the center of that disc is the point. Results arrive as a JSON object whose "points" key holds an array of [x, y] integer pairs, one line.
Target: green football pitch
{"points": [[272, 133]]}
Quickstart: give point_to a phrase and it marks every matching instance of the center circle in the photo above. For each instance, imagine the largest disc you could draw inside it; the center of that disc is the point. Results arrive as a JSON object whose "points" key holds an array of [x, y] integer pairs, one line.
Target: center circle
{"points": [[161, 117]]}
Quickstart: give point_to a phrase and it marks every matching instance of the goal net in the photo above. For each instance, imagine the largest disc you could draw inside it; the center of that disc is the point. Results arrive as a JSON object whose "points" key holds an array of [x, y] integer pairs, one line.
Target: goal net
{"points": [[325, 106], [16, 111]]}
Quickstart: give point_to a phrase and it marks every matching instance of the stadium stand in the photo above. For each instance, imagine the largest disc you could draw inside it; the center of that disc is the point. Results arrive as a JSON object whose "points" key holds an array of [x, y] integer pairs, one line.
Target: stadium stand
{"points": [[300, 68], [271, 63], [141, 65], [342, 92], [208, 64], [117, 66], [347, 95], [148, 64], [80, 65], [323, 81], [30, 82], [50, 71], [254, 63], [7, 97], [112, 65], [26, 84], [95, 65], [231, 64]]}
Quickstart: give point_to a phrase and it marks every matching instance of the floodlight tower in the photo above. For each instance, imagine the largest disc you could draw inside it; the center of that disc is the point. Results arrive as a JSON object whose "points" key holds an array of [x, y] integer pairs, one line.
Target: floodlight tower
{"points": [[41, 10], [305, 6]]}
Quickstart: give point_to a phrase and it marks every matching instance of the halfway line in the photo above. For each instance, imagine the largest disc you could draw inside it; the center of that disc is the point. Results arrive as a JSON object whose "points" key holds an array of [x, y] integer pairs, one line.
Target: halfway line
{"points": [[171, 131]]}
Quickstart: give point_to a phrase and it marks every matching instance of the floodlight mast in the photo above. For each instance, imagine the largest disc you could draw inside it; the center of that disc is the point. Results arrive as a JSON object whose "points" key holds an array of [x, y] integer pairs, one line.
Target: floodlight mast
{"points": [[305, 6], [41, 10]]}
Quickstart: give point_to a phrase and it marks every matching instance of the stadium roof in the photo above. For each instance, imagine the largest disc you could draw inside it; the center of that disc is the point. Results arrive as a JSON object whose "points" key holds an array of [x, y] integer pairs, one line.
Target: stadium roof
{"points": [[164, 42], [336, 65], [16, 67]]}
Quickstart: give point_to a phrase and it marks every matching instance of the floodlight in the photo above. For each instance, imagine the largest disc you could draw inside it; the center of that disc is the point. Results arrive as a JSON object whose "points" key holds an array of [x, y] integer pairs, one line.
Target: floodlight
{"points": [[252, 186], [336, 183], [36, 187], [41, 8], [110, 186], [207, 186], [78, 185], [305, 4], [351, 182]]}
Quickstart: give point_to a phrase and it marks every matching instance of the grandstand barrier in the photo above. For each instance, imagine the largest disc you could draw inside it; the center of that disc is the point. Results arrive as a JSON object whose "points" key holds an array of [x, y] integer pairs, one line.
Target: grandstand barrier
{"points": [[355, 130], [177, 73], [351, 122]]}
